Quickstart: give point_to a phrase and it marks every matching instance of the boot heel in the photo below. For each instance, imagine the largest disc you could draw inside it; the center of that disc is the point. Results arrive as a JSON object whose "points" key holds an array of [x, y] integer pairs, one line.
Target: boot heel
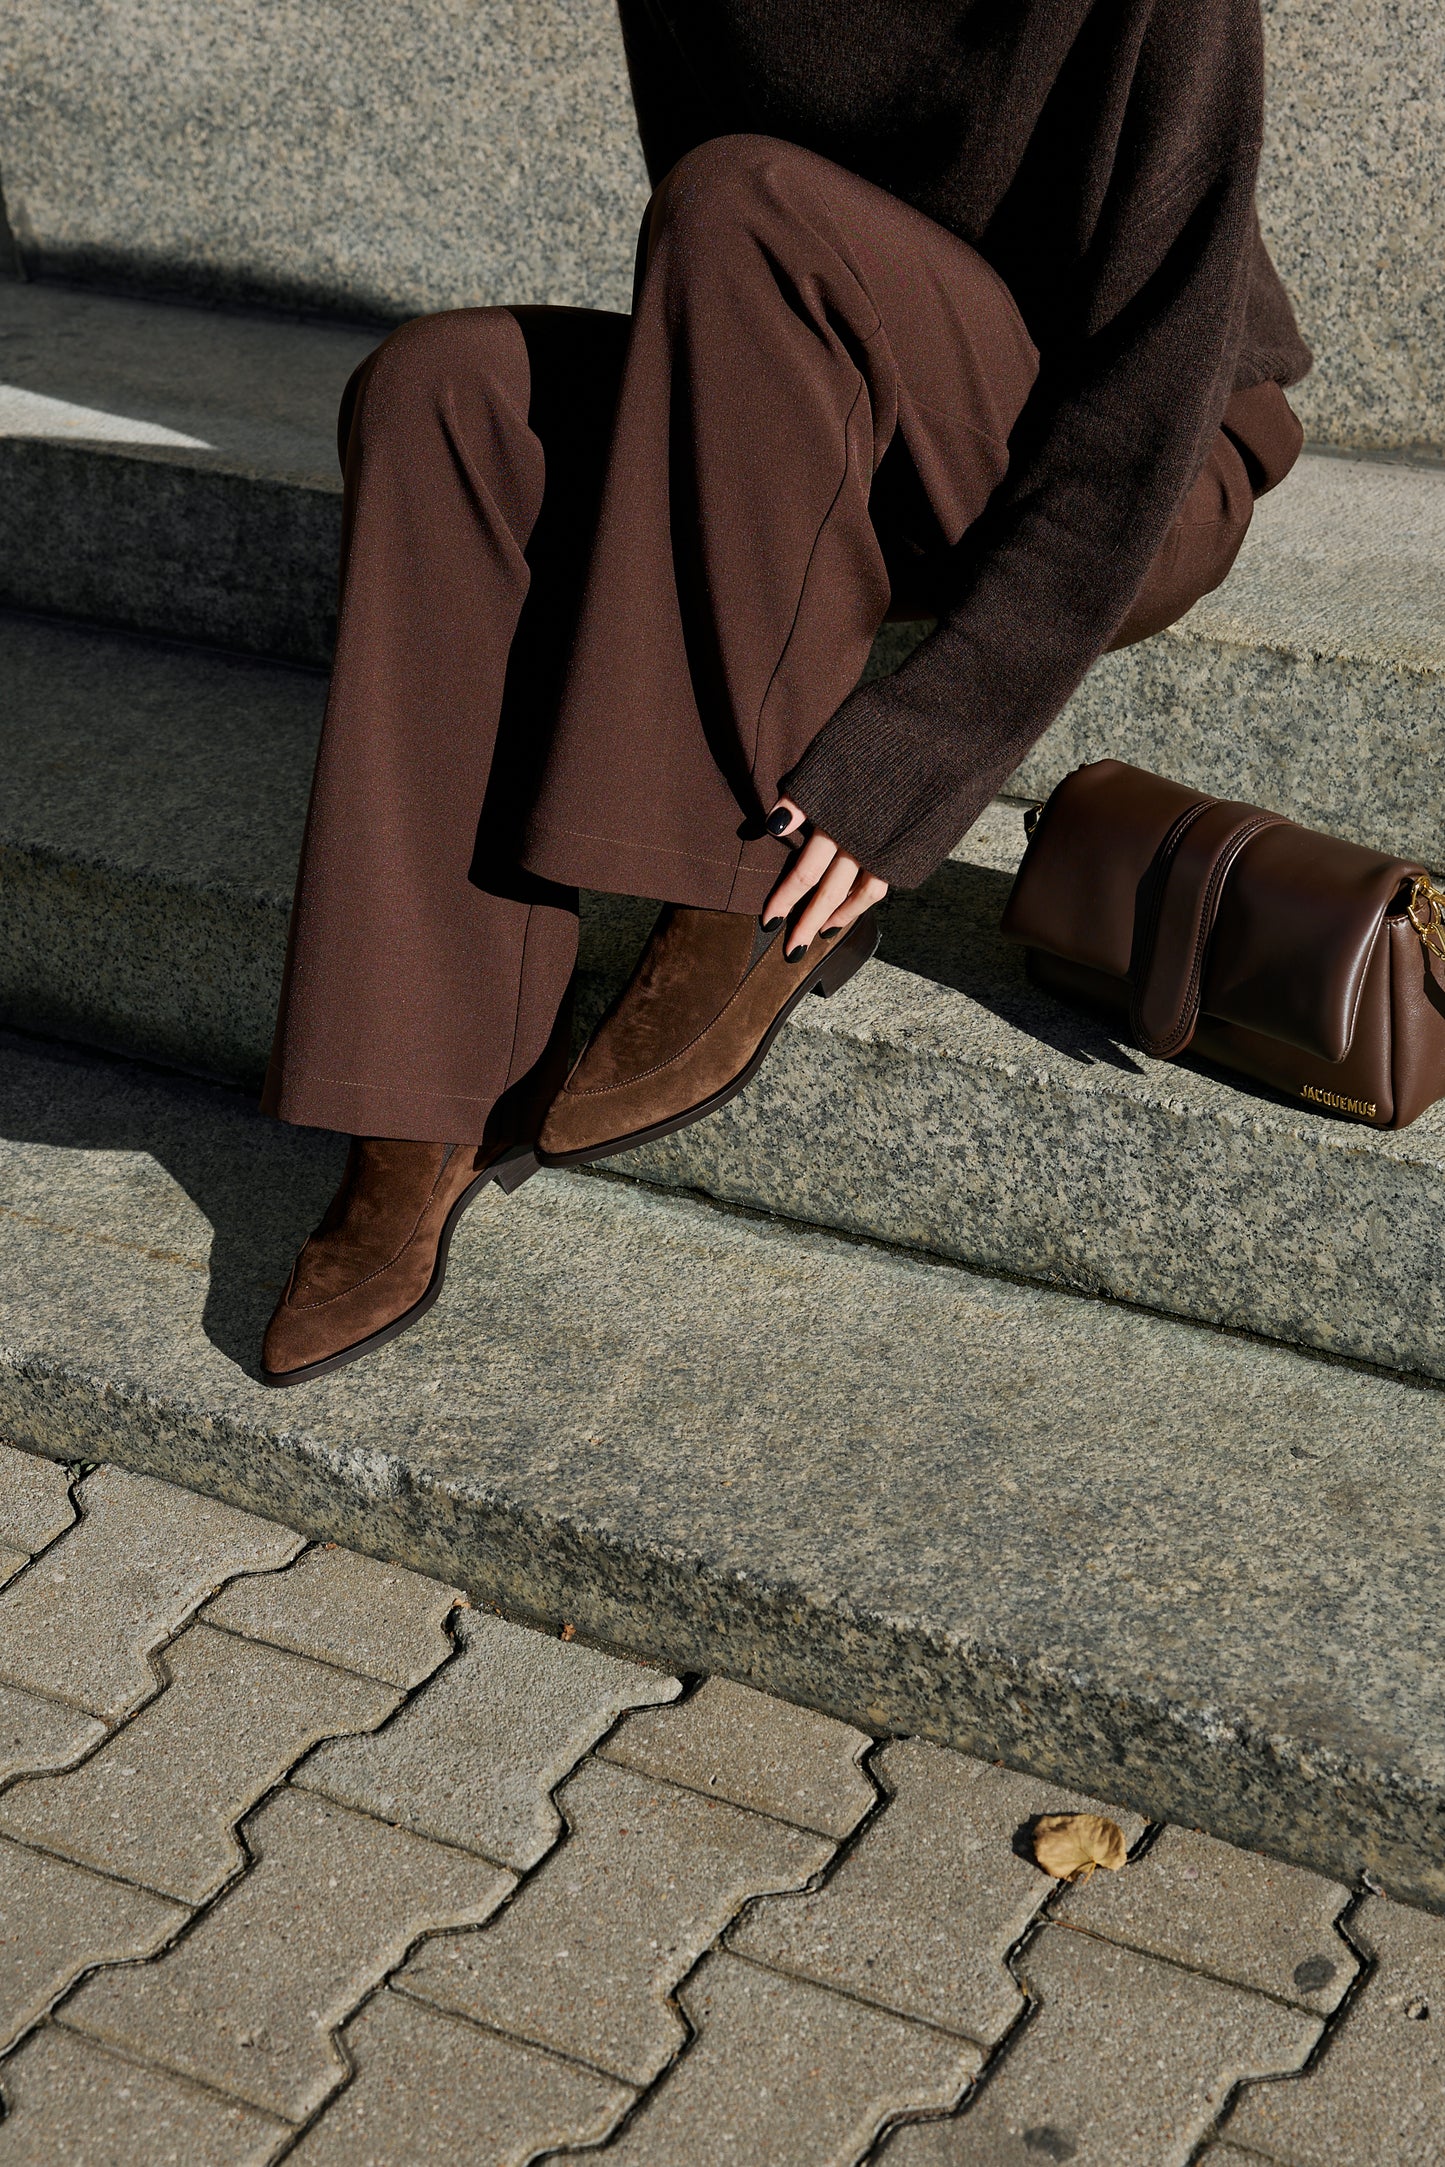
{"points": [[847, 959], [515, 1167]]}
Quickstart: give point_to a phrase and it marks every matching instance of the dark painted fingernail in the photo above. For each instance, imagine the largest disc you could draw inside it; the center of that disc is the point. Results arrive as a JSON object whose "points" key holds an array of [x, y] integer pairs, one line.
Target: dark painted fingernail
{"points": [[795, 955], [778, 822], [769, 923], [830, 932]]}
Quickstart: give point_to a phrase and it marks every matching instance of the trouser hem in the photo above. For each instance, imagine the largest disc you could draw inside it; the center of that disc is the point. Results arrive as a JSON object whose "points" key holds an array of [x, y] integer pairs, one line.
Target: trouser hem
{"points": [[361, 1109], [610, 866]]}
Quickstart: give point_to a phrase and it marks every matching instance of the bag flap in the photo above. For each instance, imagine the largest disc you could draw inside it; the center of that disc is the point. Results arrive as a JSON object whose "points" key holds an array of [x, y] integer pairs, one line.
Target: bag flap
{"points": [[1296, 928], [1179, 904], [1125, 870]]}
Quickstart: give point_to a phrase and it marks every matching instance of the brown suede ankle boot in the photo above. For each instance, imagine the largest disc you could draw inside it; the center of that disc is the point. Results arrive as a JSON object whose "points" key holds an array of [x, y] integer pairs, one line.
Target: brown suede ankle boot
{"points": [[377, 1261], [693, 1025]]}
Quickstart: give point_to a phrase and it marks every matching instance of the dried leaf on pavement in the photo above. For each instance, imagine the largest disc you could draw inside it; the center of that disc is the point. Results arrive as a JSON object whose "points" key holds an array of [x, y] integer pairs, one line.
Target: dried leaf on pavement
{"points": [[1070, 1845]]}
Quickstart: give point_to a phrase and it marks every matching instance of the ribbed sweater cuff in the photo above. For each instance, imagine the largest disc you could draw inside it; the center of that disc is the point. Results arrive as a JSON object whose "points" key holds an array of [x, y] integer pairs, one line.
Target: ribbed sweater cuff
{"points": [[862, 781]]}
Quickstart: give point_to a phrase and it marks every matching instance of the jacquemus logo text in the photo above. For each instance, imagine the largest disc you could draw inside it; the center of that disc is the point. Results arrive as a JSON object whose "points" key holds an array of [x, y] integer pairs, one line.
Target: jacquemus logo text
{"points": [[1341, 1105]]}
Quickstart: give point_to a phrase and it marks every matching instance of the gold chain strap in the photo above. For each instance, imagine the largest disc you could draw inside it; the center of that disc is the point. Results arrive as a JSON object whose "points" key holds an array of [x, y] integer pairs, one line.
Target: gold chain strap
{"points": [[1426, 912]]}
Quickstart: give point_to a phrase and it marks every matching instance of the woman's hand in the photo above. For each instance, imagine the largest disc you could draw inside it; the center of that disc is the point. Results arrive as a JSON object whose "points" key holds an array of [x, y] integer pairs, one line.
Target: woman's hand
{"points": [[835, 886]]}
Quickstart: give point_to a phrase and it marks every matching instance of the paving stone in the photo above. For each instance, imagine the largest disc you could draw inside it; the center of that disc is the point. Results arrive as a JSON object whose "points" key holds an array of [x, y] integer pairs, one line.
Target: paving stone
{"points": [[585, 1958], [35, 1503], [1125, 2063], [733, 1742], [37, 1734], [341, 1607], [56, 1920], [11, 1562], [473, 1759], [421, 2078], [919, 1915], [787, 2073], [159, 1801], [71, 2101], [1216, 1908], [1377, 2093], [82, 1623], [250, 1999]]}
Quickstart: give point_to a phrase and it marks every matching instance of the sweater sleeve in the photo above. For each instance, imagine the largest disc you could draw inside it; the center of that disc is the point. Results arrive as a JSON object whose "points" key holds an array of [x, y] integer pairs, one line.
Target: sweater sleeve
{"points": [[1131, 388]]}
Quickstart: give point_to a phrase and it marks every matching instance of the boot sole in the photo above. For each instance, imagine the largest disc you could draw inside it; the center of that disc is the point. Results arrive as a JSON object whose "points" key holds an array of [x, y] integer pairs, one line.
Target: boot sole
{"points": [[832, 971], [508, 1172]]}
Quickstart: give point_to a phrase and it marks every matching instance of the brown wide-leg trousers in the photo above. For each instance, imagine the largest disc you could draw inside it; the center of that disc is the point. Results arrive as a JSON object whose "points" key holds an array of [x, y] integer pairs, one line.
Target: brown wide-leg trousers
{"points": [[603, 581]]}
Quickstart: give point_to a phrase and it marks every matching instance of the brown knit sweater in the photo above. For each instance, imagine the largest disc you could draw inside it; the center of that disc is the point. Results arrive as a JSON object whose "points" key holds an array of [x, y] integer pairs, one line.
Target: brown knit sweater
{"points": [[1101, 154]]}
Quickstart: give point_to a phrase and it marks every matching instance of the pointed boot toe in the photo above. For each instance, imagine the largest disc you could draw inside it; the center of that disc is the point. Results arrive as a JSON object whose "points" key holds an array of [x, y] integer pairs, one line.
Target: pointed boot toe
{"points": [[376, 1263]]}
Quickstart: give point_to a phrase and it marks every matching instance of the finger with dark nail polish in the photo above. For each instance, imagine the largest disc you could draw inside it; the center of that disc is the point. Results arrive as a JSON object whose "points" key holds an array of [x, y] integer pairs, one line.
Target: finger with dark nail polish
{"points": [[780, 821], [769, 923], [795, 955], [830, 932]]}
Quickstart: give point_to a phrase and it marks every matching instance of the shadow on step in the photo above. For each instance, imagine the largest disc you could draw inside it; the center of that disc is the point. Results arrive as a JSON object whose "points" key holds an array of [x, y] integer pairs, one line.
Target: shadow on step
{"points": [[260, 1186], [948, 930]]}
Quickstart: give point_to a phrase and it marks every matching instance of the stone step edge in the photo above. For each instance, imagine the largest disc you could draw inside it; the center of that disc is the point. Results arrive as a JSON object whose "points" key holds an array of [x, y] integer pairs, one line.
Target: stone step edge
{"points": [[1162, 1186], [892, 1032], [650, 1602], [259, 490], [50, 858]]}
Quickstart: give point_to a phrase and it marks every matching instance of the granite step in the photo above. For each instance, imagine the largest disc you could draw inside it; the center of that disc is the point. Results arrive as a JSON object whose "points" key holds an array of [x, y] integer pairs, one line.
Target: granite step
{"points": [[490, 154], [1312, 681], [148, 843], [1190, 1572], [940, 1103], [173, 470]]}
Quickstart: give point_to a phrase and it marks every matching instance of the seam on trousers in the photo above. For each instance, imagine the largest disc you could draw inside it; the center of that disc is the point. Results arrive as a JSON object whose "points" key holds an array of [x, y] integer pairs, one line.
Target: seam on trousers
{"points": [[517, 1000], [744, 876], [861, 393]]}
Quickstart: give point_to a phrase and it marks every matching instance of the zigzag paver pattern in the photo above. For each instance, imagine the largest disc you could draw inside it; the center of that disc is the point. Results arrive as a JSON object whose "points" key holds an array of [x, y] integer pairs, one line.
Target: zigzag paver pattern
{"points": [[539, 1898]]}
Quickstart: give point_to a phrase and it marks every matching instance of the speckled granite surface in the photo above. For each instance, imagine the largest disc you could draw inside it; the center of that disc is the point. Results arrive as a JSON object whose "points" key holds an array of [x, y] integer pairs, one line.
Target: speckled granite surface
{"points": [[1345, 559], [254, 393], [1312, 680], [388, 159], [949, 1106], [146, 851], [1353, 207], [423, 155], [1194, 1574], [149, 832], [227, 529], [154, 805]]}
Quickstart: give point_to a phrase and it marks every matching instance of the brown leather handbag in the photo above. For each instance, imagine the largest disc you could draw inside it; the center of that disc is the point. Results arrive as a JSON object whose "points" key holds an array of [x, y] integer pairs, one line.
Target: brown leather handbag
{"points": [[1308, 963]]}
